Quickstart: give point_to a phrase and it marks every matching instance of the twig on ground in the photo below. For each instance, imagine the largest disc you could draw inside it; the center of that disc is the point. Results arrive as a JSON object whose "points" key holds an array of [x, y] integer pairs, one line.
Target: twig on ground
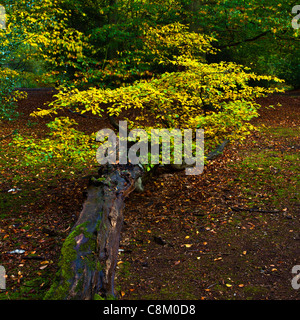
{"points": [[253, 210]]}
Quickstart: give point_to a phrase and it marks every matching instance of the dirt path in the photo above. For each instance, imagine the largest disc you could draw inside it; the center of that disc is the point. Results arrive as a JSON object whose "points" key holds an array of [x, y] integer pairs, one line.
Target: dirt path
{"points": [[231, 233]]}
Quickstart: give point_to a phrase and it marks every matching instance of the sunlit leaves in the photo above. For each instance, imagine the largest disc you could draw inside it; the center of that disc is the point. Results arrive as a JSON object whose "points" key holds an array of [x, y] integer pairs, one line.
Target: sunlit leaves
{"points": [[216, 97], [64, 143], [41, 28]]}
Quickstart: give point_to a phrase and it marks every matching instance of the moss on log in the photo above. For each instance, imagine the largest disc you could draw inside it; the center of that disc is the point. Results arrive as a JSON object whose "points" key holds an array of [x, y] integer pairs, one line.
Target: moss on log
{"points": [[89, 253]]}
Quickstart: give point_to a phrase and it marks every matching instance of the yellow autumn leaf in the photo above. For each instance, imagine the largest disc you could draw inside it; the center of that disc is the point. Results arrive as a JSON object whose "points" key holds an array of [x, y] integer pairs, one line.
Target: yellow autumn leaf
{"points": [[217, 259]]}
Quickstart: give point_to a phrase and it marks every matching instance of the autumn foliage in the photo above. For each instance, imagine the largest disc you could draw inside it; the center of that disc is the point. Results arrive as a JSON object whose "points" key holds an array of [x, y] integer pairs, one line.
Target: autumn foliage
{"points": [[215, 97], [110, 59]]}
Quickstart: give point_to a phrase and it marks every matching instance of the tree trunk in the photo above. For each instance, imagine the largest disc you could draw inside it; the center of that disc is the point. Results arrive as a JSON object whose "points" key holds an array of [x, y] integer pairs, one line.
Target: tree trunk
{"points": [[112, 21], [89, 253]]}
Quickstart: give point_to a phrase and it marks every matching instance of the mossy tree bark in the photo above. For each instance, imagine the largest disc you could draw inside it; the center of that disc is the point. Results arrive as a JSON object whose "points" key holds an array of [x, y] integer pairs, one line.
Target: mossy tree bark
{"points": [[89, 254]]}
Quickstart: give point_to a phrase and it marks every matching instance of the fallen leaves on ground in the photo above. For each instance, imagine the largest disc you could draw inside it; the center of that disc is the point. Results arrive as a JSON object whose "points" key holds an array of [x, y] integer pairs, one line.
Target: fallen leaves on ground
{"points": [[230, 233]]}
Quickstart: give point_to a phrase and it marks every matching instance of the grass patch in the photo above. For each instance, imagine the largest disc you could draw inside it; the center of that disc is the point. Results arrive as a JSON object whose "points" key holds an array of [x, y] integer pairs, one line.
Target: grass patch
{"points": [[270, 174], [281, 131], [32, 289]]}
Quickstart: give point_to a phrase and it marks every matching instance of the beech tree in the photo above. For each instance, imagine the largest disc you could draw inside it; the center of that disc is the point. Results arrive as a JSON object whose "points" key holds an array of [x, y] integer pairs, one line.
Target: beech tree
{"points": [[214, 97]]}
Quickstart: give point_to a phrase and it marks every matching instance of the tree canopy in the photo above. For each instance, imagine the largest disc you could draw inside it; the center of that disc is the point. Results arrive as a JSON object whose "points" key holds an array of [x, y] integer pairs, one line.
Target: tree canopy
{"points": [[182, 64]]}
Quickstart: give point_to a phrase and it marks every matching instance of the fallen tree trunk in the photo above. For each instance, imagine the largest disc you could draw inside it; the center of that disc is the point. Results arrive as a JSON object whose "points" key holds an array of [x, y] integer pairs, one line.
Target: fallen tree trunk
{"points": [[89, 253], [208, 157]]}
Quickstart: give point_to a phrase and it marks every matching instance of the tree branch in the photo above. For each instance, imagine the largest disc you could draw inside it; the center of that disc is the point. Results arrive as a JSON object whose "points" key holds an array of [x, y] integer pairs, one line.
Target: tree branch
{"points": [[220, 148], [245, 40], [210, 156], [3, 138]]}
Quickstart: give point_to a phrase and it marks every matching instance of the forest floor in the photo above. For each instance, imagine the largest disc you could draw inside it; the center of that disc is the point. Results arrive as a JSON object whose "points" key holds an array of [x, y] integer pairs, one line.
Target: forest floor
{"points": [[232, 232]]}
